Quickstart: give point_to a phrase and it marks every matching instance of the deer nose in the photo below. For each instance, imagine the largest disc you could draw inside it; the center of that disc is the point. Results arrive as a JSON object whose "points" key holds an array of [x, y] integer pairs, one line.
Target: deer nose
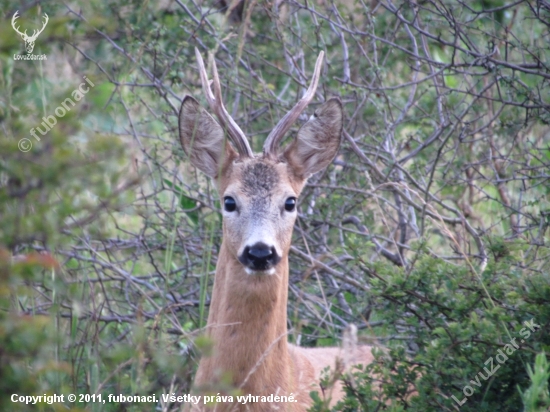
{"points": [[259, 257]]}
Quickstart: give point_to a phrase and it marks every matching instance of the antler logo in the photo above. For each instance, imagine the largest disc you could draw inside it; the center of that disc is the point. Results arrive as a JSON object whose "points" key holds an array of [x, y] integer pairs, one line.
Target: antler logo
{"points": [[29, 40]]}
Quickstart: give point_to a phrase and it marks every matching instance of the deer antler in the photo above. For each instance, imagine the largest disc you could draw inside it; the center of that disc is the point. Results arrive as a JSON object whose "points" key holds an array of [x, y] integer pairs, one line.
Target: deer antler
{"points": [[272, 142], [37, 32], [15, 17], [215, 102], [29, 40]]}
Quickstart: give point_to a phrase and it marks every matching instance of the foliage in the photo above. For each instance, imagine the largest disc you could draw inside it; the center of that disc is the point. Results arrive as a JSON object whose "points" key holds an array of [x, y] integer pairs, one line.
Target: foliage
{"points": [[536, 397], [453, 324], [429, 232]]}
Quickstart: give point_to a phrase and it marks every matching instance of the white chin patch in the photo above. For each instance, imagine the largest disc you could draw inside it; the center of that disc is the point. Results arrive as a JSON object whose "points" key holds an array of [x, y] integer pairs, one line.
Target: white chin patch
{"points": [[270, 271]]}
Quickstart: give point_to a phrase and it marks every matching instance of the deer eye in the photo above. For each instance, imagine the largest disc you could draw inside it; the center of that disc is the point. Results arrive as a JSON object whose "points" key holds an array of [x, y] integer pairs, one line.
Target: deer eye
{"points": [[229, 204], [290, 204]]}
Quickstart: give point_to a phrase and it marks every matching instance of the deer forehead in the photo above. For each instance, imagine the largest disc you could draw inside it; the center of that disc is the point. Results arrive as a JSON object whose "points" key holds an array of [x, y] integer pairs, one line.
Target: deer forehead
{"points": [[261, 178]]}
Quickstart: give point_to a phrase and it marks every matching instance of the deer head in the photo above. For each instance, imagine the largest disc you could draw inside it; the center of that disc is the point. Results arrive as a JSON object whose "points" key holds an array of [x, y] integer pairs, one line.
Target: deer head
{"points": [[259, 191], [29, 40]]}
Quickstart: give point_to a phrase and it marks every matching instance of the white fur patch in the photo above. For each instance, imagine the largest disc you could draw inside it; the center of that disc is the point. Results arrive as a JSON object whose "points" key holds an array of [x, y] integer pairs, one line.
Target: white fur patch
{"points": [[251, 272]]}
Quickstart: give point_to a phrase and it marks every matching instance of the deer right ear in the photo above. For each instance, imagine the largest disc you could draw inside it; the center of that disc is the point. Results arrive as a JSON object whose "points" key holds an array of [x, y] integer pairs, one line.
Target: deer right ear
{"points": [[202, 138], [318, 140]]}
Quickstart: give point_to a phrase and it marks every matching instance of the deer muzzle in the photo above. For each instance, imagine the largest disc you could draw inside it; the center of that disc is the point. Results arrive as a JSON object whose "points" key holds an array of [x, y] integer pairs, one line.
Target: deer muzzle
{"points": [[259, 258]]}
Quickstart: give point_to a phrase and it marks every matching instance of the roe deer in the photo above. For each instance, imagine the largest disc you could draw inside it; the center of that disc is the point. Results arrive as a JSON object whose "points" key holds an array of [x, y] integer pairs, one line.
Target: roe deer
{"points": [[247, 322]]}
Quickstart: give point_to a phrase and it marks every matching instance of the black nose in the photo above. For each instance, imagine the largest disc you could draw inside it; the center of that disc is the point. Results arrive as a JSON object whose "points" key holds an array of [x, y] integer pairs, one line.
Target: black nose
{"points": [[259, 257]]}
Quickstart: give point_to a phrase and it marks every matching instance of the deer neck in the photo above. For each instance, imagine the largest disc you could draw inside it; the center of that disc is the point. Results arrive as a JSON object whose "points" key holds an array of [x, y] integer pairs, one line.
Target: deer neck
{"points": [[247, 323]]}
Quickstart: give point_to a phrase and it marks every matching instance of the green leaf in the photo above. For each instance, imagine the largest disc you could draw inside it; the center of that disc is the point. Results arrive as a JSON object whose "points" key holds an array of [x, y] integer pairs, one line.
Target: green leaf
{"points": [[187, 203]]}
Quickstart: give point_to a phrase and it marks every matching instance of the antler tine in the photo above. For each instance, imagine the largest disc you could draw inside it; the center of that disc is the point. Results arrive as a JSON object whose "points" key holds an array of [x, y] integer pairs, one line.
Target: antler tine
{"points": [[274, 139], [46, 19], [216, 104], [15, 17]]}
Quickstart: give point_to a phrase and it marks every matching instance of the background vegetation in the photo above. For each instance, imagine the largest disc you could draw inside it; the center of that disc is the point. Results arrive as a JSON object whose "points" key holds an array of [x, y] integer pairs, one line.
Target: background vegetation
{"points": [[429, 231]]}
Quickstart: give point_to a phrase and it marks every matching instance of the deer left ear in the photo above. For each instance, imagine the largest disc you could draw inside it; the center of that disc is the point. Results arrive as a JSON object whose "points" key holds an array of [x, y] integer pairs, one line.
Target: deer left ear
{"points": [[202, 138], [318, 140]]}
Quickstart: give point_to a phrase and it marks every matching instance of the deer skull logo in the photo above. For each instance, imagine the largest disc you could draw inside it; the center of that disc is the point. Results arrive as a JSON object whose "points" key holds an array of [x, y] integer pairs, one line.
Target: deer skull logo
{"points": [[29, 40]]}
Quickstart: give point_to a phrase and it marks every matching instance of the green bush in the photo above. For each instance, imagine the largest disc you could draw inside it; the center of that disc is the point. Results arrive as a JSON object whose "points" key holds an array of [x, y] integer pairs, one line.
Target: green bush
{"points": [[474, 337]]}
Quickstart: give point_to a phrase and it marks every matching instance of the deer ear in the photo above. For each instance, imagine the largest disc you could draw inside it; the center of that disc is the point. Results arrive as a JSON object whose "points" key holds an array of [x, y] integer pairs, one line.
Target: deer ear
{"points": [[317, 141], [202, 138]]}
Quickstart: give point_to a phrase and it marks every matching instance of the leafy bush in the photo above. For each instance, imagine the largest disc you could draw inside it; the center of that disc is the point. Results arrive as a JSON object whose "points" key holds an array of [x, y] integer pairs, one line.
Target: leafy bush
{"points": [[469, 335]]}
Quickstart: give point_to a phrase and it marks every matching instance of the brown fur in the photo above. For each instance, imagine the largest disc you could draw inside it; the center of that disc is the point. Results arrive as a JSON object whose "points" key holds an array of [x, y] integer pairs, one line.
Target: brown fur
{"points": [[316, 145], [194, 123], [247, 322]]}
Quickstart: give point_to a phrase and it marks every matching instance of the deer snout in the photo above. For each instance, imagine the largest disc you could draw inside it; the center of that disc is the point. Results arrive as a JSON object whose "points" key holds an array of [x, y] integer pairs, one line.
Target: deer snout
{"points": [[259, 257]]}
